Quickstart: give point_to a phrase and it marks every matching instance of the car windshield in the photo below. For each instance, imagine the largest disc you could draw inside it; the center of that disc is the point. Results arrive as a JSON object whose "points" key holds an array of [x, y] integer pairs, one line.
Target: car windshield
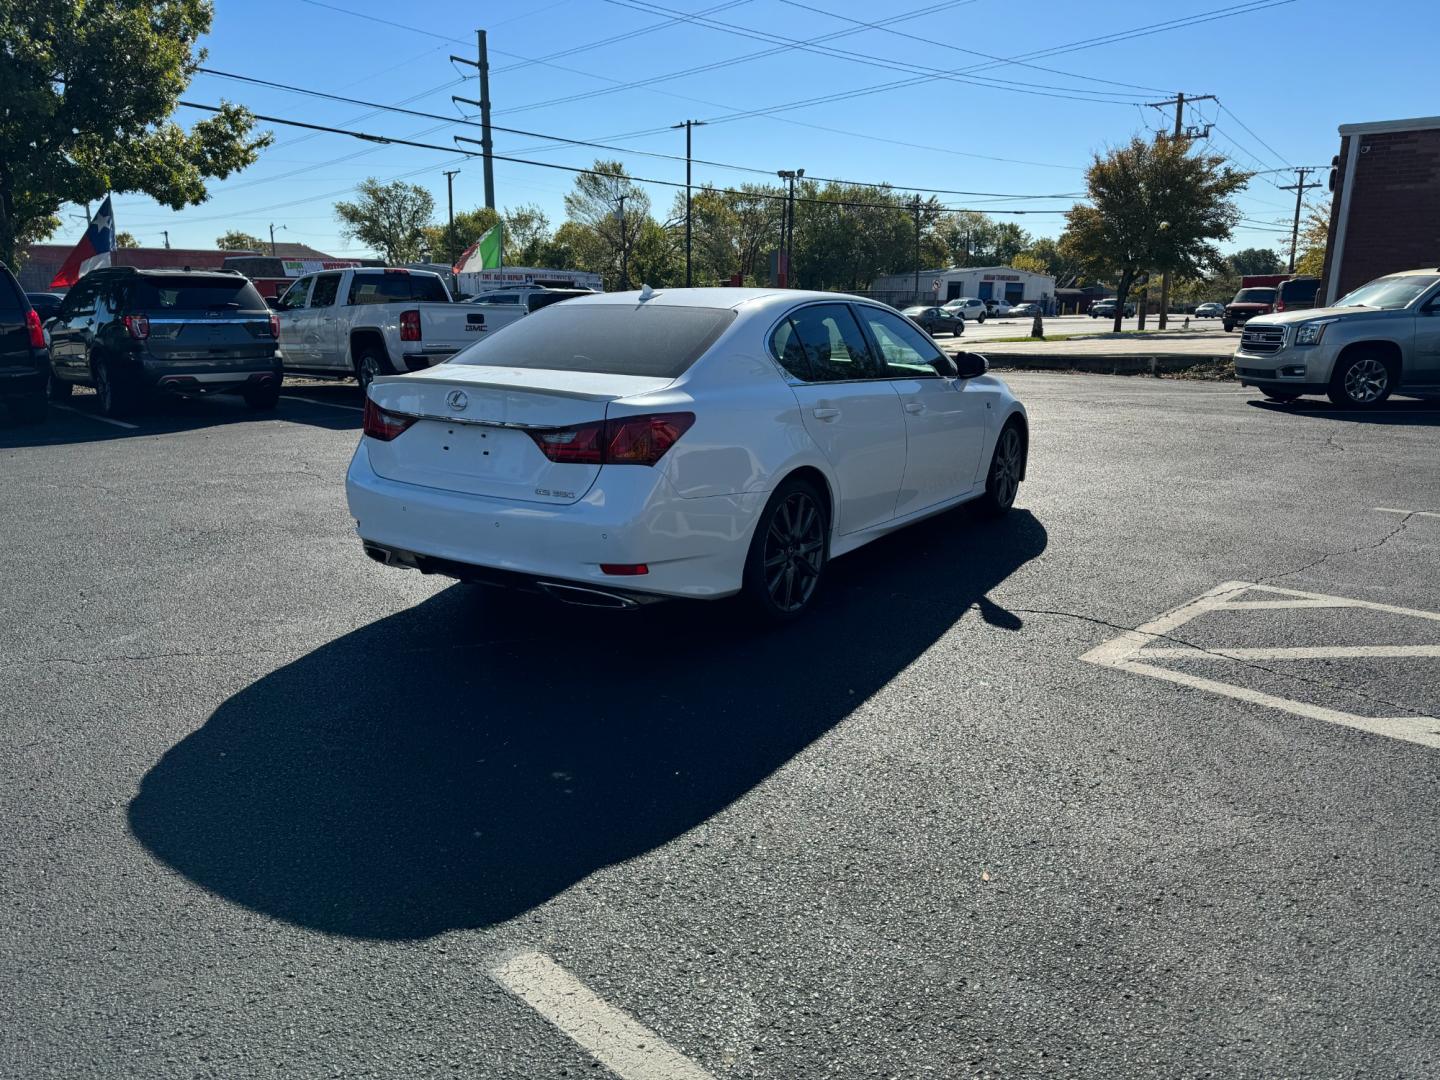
{"points": [[915, 311], [188, 293], [660, 340], [1389, 293], [1254, 296]]}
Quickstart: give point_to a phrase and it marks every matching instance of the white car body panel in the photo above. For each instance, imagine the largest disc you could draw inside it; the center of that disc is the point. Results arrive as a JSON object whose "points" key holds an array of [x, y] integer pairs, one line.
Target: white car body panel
{"points": [[690, 517]]}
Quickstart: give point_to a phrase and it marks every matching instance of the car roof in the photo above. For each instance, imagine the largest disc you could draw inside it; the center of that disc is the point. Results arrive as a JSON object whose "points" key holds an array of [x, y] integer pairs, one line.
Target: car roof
{"points": [[723, 298]]}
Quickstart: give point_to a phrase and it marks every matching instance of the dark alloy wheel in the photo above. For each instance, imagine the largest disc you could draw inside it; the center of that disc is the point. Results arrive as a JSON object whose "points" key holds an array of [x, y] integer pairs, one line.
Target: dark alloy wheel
{"points": [[116, 393], [1361, 381], [57, 389], [266, 396], [369, 366], [788, 554], [1002, 483]]}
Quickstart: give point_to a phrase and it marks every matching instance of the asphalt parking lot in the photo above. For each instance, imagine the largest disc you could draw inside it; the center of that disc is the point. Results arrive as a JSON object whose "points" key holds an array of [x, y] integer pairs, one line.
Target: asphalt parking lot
{"points": [[1142, 780]]}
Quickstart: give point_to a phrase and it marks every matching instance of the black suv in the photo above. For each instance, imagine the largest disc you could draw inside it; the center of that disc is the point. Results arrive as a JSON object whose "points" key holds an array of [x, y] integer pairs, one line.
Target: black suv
{"points": [[22, 353], [127, 332]]}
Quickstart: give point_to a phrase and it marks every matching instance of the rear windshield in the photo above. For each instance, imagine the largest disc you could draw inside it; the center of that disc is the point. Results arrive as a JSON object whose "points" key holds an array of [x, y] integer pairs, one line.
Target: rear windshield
{"points": [[194, 294], [389, 288], [605, 339], [1254, 296], [536, 301], [1300, 287]]}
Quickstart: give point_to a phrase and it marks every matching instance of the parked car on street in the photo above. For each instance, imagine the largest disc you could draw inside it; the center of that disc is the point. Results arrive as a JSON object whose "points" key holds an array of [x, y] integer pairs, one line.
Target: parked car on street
{"points": [[998, 308], [369, 321], [934, 320], [1105, 309], [1383, 338], [130, 332], [622, 448], [1212, 310], [46, 304], [1029, 309], [966, 307], [1248, 303], [1296, 294], [24, 360]]}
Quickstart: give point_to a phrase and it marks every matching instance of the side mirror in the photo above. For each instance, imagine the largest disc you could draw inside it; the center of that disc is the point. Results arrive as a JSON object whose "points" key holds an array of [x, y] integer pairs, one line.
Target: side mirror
{"points": [[969, 365]]}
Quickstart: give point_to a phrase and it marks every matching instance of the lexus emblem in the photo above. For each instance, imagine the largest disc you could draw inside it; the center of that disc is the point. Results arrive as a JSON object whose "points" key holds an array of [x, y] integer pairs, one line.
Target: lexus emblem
{"points": [[457, 400]]}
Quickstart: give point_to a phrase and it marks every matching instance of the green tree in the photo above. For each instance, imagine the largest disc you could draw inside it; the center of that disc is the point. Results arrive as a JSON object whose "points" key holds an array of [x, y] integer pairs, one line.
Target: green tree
{"points": [[126, 240], [445, 243], [1153, 206], [391, 218], [1314, 235], [603, 240], [1256, 261], [1030, 262], [235, 240], [86, 92], [527, 231], [1058, 263]]}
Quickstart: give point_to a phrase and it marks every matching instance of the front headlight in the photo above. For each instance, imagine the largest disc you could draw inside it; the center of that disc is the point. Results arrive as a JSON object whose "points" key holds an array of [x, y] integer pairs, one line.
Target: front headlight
{"points": [[1310, 333]]}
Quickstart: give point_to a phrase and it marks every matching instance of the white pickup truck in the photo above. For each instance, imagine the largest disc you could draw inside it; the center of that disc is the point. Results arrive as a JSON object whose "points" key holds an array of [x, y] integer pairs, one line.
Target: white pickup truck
{"points": [[371, 321]]}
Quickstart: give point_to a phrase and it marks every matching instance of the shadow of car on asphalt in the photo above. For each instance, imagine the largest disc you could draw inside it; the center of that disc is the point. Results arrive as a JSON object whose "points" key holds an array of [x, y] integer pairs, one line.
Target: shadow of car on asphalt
{"points": [[167, 414], [1400, 413], [463, 761]]}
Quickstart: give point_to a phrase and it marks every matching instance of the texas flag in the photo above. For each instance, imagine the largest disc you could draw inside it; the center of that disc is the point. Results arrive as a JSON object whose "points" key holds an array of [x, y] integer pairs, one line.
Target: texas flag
{"points": [[92, 251]]}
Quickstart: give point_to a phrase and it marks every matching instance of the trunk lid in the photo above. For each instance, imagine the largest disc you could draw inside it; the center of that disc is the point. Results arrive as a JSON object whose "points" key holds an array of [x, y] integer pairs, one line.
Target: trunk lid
{"points": [[473, 432], [209, 336]]}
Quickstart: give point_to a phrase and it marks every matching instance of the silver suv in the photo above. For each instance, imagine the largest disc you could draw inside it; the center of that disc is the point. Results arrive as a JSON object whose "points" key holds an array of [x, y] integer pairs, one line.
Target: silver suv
{"points": [[1384, 337]]}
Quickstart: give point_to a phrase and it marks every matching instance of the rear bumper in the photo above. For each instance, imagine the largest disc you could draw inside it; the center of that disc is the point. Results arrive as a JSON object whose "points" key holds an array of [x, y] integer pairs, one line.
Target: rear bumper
{"points": [[22, 380], [692, 547], [209, 376]]}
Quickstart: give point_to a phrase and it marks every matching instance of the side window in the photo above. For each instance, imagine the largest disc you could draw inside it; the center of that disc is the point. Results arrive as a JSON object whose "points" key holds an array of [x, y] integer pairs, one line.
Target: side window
{"points": [[785, 346], [834, 347], [80, 300], [326, 288], [906, 350], [294, 298]]}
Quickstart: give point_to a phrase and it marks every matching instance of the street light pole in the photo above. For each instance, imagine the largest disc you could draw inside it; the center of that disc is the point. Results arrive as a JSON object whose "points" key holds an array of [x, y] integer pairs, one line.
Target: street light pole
{"points": [[687, 125], [624, 254], [273, 227], [787, 222], [450, 251]]}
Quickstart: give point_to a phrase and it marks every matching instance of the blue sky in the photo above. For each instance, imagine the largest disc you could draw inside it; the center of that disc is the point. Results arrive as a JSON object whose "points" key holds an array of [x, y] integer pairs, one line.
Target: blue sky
{"points": [[1289, 73]]}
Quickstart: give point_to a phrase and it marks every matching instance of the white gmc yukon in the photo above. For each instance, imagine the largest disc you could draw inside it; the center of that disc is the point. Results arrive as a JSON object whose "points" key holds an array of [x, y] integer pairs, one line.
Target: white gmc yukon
{"points": [[372, 321]]}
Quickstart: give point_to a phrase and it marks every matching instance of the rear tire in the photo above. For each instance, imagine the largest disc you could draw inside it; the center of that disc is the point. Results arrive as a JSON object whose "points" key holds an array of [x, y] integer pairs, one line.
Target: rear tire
{"points": [[57, 389], [29, 409], [788, 553], [370, 365], [118, 393], [1002, 482], [1361, 380]]}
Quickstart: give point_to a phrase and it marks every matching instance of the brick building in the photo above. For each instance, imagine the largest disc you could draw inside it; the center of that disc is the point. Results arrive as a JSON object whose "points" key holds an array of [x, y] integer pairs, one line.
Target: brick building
{"points": [[1386, 211], [42, 261]]}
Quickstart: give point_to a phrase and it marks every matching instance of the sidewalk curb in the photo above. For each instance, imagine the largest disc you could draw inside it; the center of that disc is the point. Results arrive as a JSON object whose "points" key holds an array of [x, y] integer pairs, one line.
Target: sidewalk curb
{"points": [[1113, 363]]}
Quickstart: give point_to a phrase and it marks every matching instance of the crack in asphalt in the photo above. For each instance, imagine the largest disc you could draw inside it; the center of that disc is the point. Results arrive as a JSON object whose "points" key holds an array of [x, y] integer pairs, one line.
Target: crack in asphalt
{"points": [[1396, 531]]}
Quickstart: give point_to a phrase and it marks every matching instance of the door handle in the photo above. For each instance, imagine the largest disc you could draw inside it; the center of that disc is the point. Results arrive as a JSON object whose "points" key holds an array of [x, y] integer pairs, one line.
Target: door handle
{"points": [[825, 414], [914, 406]]}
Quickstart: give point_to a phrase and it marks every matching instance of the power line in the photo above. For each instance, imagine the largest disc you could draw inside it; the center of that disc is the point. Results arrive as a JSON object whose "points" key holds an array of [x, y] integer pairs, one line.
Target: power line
{"points": [[390, 141], [582, 142], [973, 52]]}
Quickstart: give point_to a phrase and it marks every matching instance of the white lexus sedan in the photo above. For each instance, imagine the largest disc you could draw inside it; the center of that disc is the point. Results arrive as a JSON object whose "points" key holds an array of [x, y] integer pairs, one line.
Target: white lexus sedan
{"points": [[626, 447]]}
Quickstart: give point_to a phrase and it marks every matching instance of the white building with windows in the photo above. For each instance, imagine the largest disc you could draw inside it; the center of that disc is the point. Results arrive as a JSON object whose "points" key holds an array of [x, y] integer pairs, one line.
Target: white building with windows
{"points": [[982, 282]]}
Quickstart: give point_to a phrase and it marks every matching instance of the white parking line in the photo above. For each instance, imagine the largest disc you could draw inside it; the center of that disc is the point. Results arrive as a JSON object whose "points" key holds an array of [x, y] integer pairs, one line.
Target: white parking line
{"points": [[613, 1037], [92, 416], [1130, 650], [1416, 513], [326, 404]]}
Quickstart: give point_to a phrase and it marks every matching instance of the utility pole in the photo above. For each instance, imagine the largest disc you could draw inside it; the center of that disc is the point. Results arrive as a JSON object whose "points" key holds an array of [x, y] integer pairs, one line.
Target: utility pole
{"points": [[787, 226], [915, 209], [272, 237], [450, 251], [1181, 132], [487, 147], [687, 125], [166, 234], [624, 252], [1299, 187]]}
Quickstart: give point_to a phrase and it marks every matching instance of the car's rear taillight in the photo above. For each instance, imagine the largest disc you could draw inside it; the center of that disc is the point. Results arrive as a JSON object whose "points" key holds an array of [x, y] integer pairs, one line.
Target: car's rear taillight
{"points": [[410, 326], [37, 332], [383, 424], [275, 327], [138, 326], [626, 440]]}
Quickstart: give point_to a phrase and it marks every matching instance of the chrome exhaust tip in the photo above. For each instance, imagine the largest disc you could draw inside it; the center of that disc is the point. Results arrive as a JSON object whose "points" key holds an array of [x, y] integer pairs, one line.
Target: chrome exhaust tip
{"points": [[580, 596]]}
